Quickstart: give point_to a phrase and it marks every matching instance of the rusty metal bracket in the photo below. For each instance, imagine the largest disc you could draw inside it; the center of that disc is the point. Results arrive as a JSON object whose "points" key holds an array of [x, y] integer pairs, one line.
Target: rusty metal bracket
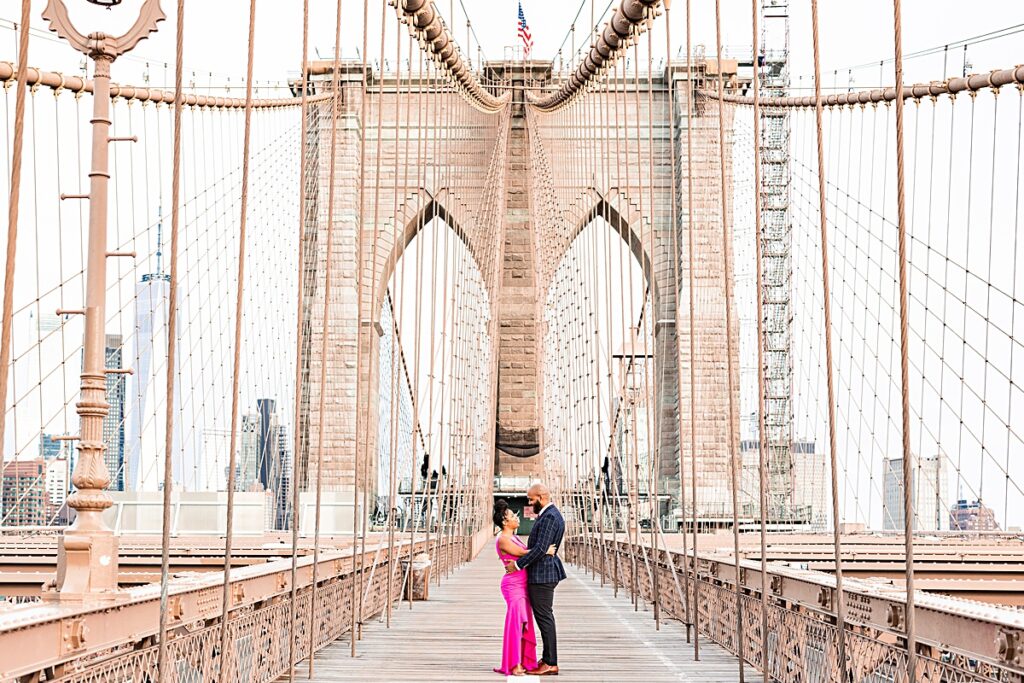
{"points": [[175, 608], [1008, 645], [894, 616], [73, 633], [825, 597]]}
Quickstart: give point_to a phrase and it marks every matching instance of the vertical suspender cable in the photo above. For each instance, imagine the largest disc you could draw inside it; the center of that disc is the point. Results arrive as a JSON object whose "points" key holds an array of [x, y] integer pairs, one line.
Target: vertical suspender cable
{"points": [[674, 228], [762, 405], [727, 293], [827, 304], [654, 406], [603, 188], [399, 243], [417, 427], [360, 283], [588, 449], [237, 359], [614, 408], [426, 85], [12, 211], [329, 261], [394, 396], [297, 441], [362, 457], [604, 487], [444, 489], [598, 127], [584, 346], [452, 482], [625, 321], [396, 293], [691, 89], [908, 505], [594, 506], [633, 498], [172, 330], [651, 377]]}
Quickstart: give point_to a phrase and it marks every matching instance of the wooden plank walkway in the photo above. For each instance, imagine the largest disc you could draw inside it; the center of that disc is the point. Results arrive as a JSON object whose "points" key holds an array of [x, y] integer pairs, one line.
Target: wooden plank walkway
{"points": [[456, 636]]}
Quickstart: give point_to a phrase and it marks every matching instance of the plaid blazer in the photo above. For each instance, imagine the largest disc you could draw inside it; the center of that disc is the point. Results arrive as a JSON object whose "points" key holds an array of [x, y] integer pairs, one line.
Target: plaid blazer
{"points": [[541, 567]]}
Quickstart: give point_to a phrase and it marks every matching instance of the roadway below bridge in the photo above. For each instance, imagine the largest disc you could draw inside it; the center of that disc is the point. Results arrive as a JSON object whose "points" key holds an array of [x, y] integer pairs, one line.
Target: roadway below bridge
{"points": [[456, 636]]}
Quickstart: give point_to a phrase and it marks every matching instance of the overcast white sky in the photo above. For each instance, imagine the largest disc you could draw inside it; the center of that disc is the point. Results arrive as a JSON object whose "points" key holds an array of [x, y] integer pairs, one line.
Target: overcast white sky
{"points": [[852, 33]]}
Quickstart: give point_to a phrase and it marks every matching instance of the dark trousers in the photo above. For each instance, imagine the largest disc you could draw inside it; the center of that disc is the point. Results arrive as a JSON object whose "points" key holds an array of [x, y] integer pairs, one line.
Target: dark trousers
{"points": [[542, 597]]}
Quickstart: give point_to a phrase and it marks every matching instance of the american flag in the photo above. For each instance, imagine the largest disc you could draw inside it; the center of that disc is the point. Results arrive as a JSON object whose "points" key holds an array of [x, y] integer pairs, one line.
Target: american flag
{"points": [[524, 32]]}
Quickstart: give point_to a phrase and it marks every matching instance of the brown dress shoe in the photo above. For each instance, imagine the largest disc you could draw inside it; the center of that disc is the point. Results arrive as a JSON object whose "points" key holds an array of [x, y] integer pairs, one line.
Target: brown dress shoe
{"points": [[544, 670]]}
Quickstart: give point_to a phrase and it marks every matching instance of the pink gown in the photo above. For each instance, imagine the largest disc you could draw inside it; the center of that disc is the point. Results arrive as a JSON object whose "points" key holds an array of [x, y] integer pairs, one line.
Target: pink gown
{"points": [[520, 644]]}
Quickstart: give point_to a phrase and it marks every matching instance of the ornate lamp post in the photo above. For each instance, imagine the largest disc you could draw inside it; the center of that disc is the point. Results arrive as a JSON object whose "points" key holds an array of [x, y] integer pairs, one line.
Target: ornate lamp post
{"points": [[88, 554]]}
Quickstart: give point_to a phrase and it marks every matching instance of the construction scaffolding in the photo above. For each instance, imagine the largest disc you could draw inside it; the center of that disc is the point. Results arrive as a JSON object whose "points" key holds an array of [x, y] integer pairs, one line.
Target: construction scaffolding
{"points": [[776, 247]]}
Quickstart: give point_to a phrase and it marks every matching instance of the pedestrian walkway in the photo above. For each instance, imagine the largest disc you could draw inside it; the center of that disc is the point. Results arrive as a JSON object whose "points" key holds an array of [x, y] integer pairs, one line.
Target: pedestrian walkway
{"points": [[456, 636]]}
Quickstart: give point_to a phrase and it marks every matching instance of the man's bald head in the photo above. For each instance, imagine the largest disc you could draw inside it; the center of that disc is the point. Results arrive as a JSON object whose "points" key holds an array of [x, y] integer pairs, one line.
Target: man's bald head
{"points": [[538, 495]]}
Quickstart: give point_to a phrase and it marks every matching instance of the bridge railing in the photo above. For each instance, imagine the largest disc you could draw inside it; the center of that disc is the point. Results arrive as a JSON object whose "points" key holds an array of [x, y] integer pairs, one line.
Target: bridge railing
{"points": [[117, 640], [958, 640]]}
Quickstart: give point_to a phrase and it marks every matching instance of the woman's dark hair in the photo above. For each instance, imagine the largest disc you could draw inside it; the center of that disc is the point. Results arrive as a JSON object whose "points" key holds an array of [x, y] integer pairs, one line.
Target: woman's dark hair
{"points": [[500, 508]]}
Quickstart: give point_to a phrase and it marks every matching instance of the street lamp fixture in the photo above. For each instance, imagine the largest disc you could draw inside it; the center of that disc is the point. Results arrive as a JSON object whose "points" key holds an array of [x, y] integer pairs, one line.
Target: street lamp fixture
{"points": [[87, 554]]}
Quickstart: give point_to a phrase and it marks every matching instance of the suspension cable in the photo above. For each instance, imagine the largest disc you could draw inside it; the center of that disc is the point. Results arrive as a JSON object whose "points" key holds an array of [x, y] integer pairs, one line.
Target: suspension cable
{"points": [[690, 273], [172, 330], [687, 603], [901, 211], [328, 267], [12, 213], [829, 366], [237, 358], [762, 403], [293, 644], [727, 275]]}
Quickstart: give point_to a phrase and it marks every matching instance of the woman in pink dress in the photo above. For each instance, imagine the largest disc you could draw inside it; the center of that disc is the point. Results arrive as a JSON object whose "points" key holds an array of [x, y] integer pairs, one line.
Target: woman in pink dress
{"points": [[519, 651]]}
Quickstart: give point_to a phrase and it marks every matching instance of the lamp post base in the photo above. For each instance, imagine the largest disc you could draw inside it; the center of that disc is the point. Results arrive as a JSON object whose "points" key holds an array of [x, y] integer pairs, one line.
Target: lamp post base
{"points": [[86, 567]]}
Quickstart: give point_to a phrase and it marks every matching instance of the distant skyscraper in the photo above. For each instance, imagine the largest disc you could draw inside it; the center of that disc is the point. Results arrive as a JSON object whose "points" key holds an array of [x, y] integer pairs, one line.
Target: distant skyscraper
{"points": [[23, 494], [273, 454], [267, 451], [58, 478], [147, 398], [248, 453], [972, 516], [59, 462], [284, 491], [113, 423], [50, 449], [147, 393], [804, 504], [928, 491], [810, 471]]}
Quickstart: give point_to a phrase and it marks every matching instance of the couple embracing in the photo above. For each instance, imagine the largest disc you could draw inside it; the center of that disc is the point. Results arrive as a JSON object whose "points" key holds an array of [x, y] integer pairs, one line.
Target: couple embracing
{"points": [[532, 571]]}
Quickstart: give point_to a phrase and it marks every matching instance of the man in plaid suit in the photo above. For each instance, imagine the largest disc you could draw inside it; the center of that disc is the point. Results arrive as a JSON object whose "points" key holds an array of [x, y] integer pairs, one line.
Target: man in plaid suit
{"points": [[543, 572]]}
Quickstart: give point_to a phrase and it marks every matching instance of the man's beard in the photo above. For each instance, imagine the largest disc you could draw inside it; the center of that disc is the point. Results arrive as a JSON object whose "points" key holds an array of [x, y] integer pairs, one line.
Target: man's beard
{"points": [[537, 507]]}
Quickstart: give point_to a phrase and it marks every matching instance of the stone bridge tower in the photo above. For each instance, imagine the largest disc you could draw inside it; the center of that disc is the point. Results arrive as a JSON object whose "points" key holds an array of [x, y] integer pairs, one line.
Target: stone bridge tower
{"points": [[528, 253], [517, 449]]}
